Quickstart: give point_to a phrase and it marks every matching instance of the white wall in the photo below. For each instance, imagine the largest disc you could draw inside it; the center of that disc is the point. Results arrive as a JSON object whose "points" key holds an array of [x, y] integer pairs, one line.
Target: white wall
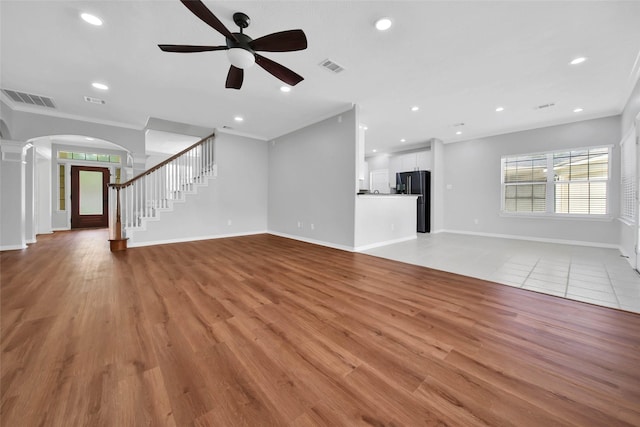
{"points": [[6, 118], [238, 194], [312, 181], [472, 169], [628, 232], [25, 126]]}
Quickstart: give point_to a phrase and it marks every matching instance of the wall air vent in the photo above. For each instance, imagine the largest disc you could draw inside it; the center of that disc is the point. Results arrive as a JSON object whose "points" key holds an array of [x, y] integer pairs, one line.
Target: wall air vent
{"points": [[94, 100], [331, 66], [28, 98], [457, 125], [543, 106]]}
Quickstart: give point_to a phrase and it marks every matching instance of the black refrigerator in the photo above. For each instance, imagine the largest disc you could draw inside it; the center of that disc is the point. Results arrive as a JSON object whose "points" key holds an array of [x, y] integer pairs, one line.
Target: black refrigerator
{"points": [[417, 182]]}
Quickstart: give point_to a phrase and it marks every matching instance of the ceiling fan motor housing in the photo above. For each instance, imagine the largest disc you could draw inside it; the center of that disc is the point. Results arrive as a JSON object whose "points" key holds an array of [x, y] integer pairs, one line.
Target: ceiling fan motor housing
{"points": [[242, 41]]}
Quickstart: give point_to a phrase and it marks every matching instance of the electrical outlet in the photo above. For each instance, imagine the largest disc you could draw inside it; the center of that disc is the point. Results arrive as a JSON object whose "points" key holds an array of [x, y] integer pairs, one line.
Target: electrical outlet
{"points": [[228, 222], [313, 227], [393, 226], [299, 224], [476, 221]]}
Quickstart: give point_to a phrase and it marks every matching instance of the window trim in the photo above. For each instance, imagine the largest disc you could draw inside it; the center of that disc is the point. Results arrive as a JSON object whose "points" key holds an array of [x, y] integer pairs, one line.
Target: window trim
{"points": [[550, 200]]}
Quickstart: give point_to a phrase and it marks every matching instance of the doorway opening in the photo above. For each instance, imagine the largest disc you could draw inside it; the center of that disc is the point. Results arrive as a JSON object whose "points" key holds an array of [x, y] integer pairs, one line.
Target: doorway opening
{"points": [[89, 197]]}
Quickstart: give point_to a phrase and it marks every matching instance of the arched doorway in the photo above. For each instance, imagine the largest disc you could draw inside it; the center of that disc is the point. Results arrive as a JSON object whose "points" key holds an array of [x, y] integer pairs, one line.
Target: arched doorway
{"points": [[56, 156]]}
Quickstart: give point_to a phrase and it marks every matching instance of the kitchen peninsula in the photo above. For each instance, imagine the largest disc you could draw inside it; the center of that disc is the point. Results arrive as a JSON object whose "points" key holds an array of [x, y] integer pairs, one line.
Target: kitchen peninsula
{"points": [[382, 219]]}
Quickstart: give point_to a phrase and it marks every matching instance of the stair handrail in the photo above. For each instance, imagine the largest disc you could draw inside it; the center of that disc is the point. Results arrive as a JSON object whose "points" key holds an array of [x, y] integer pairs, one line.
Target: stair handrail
{"points": [[116, 235], [161, 164]]}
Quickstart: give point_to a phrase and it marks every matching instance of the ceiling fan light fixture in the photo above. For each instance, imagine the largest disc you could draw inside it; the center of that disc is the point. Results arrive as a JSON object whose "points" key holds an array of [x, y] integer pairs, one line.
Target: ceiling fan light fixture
{"points": [[285, 89], [240, 58]]}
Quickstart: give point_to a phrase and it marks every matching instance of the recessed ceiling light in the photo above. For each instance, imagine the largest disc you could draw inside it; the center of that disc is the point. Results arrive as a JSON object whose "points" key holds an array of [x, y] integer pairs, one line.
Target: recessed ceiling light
{"points": [[415, 108], [459, 132], [364, 128], [499, 109], [238, 119], [100, 86], [383, 24], [374, 150], [578, 60], [91, 19], [403, 140], [88, 138], [285, 89], [577, 110]]}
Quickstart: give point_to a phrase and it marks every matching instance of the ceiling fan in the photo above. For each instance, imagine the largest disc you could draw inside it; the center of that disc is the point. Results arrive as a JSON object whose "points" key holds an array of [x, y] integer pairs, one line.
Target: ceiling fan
{"points": [[241, 49]]}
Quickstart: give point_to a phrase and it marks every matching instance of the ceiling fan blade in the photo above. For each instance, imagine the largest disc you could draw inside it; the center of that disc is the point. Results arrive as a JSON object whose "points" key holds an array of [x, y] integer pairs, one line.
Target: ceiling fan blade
{"points": [[200, 10], [234, 78], [279, 71], [185, 48], [284, 41]]}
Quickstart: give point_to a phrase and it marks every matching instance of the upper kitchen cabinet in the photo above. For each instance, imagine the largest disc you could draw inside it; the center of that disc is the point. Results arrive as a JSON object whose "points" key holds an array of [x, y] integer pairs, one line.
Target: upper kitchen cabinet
{"points": [[417, 160]]}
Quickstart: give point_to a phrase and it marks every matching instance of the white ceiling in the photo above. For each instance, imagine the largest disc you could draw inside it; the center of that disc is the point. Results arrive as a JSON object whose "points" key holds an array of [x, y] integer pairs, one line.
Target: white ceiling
{"points": [[456, 60]]}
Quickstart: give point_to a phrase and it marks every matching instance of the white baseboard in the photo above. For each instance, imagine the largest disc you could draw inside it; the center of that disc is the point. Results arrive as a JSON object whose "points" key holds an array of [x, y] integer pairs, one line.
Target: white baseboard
{"points": [[31, 241], [536, 239], [313, 241], [12, 247], [61, 229], [385, 243], [132, 244], [631, 258]]}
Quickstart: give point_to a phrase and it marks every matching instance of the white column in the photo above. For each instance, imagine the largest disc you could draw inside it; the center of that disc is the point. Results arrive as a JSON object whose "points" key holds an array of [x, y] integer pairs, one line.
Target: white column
{"points": [[437, 186], [29, 196], [12, 194], [43, 194]]}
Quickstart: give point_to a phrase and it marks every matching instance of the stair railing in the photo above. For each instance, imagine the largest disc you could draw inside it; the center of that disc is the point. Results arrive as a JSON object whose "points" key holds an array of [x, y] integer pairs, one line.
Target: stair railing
{"points": [[156, 188]]}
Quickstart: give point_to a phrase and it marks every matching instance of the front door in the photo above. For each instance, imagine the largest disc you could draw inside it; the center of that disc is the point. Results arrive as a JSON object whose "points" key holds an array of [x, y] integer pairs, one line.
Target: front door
{"points": [[89, 197]]}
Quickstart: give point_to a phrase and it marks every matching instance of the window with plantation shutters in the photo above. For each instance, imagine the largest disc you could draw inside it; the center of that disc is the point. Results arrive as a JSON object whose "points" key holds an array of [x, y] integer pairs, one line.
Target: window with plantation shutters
{"points": [[571, 182], [628, 178]]}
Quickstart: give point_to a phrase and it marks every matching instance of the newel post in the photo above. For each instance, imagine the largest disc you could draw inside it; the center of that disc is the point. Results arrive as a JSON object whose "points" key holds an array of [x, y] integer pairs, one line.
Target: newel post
{"points": [[118, 243]]}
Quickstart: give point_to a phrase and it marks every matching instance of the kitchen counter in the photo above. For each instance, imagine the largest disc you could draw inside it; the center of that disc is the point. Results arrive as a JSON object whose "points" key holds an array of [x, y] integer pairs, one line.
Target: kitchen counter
{"points": [[371, 195], [383, 219]]}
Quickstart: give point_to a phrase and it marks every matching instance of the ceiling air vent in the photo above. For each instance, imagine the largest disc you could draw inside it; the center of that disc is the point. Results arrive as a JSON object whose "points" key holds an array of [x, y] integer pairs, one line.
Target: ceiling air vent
{"points": [[94, 100], [543, 106], [331, 66], [28, 98]]}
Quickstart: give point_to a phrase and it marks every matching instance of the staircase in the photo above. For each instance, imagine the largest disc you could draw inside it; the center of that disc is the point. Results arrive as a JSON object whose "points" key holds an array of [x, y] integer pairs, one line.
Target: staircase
{"points": [[157, 190]]}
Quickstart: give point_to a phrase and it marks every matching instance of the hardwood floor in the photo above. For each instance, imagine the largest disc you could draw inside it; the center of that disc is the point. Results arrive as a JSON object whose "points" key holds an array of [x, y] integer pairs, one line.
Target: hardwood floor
{"points": [[263, 330]]}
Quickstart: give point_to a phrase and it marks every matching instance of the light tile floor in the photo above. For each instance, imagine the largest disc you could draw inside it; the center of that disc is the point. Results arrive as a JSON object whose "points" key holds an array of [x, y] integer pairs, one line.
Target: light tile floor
{"points": [[595, 275]]}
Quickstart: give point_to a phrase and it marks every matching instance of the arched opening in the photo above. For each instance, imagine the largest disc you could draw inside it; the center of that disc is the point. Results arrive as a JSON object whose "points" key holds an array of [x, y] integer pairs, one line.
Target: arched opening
{"points": [[54, 157]]}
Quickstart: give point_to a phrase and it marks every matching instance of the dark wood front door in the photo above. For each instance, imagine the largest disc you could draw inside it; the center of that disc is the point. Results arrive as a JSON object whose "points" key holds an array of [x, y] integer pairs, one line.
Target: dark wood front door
{"points": [[89, 197]]}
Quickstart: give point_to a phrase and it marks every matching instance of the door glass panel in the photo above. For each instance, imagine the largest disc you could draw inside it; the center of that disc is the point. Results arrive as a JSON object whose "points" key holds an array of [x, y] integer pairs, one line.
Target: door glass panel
{"points": [[90, 193]]}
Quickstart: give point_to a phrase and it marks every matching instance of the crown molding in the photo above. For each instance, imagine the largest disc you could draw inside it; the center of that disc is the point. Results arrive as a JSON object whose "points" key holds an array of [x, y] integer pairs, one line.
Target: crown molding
{"points": [[52, 113]]}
